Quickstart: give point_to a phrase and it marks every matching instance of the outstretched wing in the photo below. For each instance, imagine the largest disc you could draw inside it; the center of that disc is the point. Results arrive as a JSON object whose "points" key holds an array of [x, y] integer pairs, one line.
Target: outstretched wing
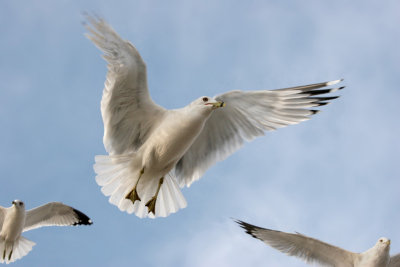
{"points": [[129, 113], [54, 214], [395, 261], [246, 116], [2, 216], [304, 247]]}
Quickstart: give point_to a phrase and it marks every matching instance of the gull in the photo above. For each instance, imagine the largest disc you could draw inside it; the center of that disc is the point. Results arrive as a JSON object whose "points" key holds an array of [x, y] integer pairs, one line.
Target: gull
{"points": [[313, 250], [153, 152], [15, 220]]}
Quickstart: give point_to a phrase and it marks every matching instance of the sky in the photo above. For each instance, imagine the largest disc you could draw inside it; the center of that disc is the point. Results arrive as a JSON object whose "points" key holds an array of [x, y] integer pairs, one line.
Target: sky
{"points": [[335, 177]]}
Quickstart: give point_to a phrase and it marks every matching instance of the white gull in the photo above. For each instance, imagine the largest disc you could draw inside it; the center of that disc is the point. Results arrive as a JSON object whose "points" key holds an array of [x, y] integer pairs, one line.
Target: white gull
{"points": [[313, 250], [154, 151], [15, 220]]}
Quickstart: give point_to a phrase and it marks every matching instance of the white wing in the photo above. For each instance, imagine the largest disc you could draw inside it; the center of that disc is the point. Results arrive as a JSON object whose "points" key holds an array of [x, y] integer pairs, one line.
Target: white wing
{"points": [[54, 214], [246, 116], [129, 113], [306, 248], [2, 216], [395, 261]]}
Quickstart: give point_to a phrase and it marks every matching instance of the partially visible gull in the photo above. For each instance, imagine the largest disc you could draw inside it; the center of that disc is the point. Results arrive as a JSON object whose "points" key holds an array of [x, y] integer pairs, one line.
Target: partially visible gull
{"points": [[15, 220], [154, 151], [312, 250]]}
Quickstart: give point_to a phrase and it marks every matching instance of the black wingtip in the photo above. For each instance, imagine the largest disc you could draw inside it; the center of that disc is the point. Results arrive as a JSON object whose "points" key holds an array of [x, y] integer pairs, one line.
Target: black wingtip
{"points": [[321, 104], [82, 218], [321, 91], [327, 98], [250, 229]]}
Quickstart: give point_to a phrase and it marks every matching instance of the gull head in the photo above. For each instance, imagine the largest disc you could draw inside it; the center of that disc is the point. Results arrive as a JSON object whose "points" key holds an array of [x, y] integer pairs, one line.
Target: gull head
{"points": [[206, 103], [18, 204], [383, 243]]}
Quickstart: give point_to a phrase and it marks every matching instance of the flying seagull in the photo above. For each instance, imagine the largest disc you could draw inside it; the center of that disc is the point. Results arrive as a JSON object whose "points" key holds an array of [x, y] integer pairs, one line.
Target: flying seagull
{"points": [[15, 220], [152, 151], [312, 250]]}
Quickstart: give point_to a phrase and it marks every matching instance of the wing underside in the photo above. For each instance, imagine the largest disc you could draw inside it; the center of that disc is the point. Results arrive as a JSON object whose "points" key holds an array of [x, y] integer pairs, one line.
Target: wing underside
{"points": [[247, 115]]}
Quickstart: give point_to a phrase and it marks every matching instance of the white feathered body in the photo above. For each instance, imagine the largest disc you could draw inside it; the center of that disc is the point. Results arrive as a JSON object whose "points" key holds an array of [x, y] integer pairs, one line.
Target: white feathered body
{"points": [[169, 142], [14, 222], [377, 256], [12, 245]]}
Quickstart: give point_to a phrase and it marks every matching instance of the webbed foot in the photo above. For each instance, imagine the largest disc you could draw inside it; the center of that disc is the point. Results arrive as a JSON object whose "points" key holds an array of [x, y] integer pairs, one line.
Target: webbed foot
{"points": [[133, 195], [151, 204]]}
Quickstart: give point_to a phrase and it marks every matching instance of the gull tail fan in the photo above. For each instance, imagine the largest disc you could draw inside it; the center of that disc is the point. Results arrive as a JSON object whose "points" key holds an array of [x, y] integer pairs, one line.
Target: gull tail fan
{"points": [[117, 176], [10, 252], [170, 198]]}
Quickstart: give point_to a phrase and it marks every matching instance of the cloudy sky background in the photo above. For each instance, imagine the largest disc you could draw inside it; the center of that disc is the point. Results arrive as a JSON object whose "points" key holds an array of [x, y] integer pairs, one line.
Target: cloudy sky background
{"points": [[335, 177]]}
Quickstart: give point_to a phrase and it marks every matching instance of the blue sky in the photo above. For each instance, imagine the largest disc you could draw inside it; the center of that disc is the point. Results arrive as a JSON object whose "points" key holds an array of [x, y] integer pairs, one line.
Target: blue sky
{"points": [[335, 177]]}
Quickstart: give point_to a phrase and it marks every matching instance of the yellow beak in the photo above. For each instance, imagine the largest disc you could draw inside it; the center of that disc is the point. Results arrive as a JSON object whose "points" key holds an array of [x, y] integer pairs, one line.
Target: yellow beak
{"points": [[219, 104]]}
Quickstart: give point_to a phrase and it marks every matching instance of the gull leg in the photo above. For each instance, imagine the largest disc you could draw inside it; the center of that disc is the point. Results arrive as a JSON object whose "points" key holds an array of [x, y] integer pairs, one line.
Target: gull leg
{"points": [[4, 252], [151, 204], [133, 195], [12, 249]]}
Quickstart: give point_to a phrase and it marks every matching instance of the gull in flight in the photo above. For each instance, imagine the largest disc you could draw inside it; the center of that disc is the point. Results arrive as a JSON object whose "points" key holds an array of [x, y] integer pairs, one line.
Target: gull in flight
{"points": [[152, 151], [312, 250], [15, 220]]}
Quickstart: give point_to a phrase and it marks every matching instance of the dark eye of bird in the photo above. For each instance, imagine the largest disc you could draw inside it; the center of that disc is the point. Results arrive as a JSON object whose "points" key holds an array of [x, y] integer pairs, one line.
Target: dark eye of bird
{"points": [[205, 99], [380, 240]]}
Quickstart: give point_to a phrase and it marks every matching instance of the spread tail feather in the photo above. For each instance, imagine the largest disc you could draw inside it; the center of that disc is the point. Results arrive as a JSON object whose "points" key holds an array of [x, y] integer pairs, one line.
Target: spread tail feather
{"points": [[169, 199], [118, 174], [10, 252]]}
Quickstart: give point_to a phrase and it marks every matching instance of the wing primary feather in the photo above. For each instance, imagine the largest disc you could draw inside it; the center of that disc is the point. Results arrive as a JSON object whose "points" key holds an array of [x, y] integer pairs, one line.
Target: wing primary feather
{"points": [[327, 98], [249, 228], [82, 218], [311, 86], [322, 103], [322, 91]]}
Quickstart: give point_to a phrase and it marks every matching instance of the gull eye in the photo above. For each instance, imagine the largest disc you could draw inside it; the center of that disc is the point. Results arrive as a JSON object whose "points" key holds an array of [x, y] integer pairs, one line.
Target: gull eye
{"points": [[205, 99], [380, 240]]}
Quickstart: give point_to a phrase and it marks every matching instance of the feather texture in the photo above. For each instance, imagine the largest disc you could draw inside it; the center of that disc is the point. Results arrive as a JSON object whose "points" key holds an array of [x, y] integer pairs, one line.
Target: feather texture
{"points": [[247, 115], [54, 214]]}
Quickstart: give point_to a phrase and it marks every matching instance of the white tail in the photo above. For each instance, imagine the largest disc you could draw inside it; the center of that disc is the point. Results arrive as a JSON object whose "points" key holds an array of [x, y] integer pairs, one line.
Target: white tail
{"points": [[20, 248], [118, 174]]}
